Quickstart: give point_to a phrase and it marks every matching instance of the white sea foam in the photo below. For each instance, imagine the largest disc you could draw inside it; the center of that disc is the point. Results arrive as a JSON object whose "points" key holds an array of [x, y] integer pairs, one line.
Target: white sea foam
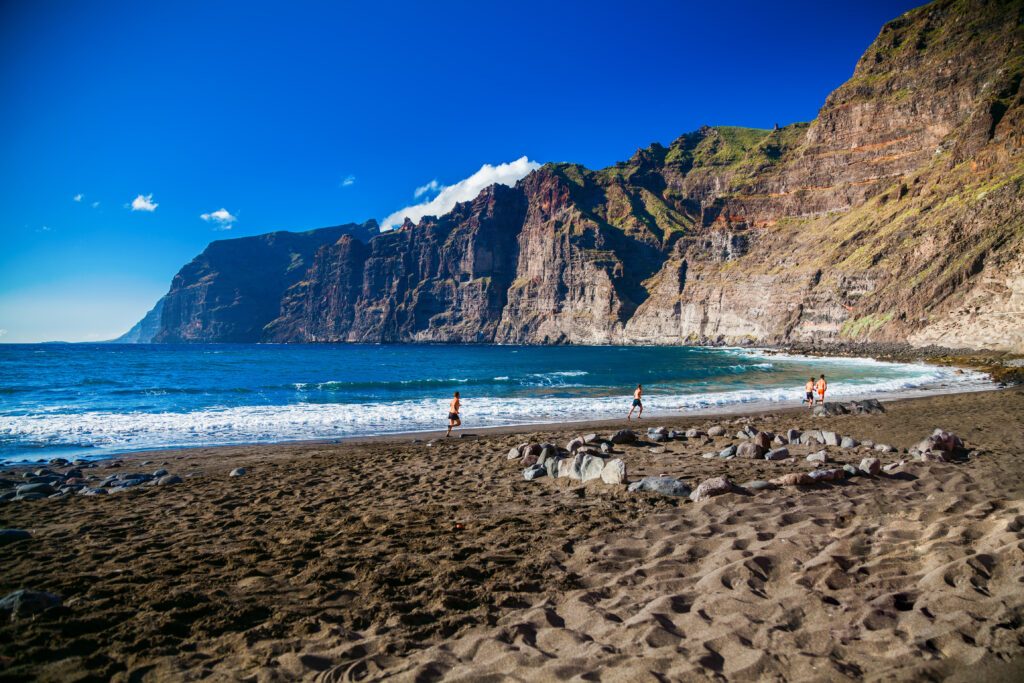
{"points": [[114, 432]]}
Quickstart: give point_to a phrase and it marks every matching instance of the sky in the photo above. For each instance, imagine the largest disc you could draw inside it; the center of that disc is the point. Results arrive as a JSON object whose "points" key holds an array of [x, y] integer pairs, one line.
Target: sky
{"points": [[133, 134]]}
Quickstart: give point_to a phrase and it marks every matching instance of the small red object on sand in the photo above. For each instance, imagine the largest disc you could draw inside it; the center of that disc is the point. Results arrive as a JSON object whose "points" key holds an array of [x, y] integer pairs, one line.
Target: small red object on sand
{"points": [[458, 526]]}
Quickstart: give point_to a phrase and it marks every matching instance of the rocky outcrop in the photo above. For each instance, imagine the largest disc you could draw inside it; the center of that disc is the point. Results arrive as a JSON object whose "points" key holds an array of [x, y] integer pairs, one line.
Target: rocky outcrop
{"points": [[894, 215], [146, 329]]}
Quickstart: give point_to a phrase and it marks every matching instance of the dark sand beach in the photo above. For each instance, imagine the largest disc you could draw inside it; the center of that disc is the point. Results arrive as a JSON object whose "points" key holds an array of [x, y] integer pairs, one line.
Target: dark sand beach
{"points": [[391, 559]]}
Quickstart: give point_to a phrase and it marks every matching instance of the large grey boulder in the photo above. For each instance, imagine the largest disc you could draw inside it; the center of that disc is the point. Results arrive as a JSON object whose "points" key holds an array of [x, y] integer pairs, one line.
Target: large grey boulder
{"points": [[777, 454], [812, 438], [534, 472], [28, 489], [666, 486], [26, 603], [831, 438], [820, 456], [871, 466], [749, 449], [793, 435], [591, 467], [848, 442], [709, 488], [833, 474], [624, 436], [614, 472], [727, 452], [168, 479], [575, 444], [694, 433], [717, 430], [551, 464]]}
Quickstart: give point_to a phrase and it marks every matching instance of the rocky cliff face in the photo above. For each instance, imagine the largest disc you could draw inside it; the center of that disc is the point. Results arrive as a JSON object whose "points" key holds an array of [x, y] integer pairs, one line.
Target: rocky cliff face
{"points": [[896, 214]]}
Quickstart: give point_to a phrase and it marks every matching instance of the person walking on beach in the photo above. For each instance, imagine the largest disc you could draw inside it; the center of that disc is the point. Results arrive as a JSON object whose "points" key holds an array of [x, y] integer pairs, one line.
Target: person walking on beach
{"points": [[821, 386], [453, 414], [809, 391], [637, 403]]}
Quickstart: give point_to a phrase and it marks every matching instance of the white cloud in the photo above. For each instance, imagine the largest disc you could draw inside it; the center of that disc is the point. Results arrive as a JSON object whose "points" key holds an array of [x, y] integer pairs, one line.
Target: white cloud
{"points": [[3, 333], [432, 186], [79, 197], [95, 205], [45, 228], [144, 203], [222, 218], [462, 191], [348, 181]]}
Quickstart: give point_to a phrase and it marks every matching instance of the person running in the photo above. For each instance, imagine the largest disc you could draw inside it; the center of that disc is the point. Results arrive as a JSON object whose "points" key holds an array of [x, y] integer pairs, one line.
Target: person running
{"points": [[637, 403], [453, 414], [809, 391], [821, 386]]}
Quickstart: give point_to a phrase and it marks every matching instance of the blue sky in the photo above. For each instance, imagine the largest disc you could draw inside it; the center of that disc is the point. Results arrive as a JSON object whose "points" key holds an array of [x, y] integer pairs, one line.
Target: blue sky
{"points": [[297, 115]]}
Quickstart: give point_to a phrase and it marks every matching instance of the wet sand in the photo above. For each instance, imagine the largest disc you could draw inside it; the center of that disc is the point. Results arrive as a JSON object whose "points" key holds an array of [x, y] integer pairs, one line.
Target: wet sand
{"points": [[389, 559]]}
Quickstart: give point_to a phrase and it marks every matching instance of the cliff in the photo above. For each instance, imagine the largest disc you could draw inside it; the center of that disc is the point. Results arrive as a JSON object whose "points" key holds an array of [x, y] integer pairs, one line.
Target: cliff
{"points": [[895, 215]]}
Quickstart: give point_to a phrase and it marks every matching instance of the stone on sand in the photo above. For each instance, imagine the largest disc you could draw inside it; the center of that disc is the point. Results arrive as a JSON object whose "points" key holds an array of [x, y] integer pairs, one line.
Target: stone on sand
{"points": [[831, 474], [758, 485], [709, 488], [717, 430], [727, 452], [820, 456], [237, 472], [623, 436], [25, 603], [848, 442], [793, 479], [533, 472], [871, 466], [666, 486], [168, 479], [614, 472], [777, 454], [591, 467], [749, 449], [884, 448]]}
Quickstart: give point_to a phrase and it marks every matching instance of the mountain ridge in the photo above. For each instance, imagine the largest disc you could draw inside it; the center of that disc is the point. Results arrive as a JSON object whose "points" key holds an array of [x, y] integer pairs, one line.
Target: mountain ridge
{"points": [[894, 216]]}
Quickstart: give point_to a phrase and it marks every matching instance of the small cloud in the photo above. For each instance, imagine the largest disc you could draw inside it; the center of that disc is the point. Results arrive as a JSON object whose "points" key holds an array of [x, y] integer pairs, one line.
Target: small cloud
{"points": [[79, 197], [462, 191], [144, 203], [95, 205], [221, 218], [44, 228], [349, 181], [432, 186], [3, 333]]}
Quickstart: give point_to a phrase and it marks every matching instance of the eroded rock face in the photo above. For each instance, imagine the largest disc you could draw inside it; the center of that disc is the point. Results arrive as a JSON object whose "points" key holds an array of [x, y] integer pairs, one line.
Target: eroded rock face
{"points": [[890, 216]]}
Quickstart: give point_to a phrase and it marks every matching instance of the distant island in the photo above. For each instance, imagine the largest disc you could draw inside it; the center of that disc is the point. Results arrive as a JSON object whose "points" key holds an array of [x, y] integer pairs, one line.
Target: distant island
{"points": [[896, 215]]}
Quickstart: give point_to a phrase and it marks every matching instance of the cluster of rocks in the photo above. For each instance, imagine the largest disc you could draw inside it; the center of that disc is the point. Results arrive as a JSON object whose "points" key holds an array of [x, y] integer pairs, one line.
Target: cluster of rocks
{"points": [[871, 406], [940, 446], [63, 478], [583, 458], [770, 446]]}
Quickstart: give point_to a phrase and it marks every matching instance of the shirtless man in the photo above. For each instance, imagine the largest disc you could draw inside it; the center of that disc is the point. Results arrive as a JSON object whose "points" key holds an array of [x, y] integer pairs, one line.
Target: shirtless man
{"points": [[453, 414], [637, 403], [821, 386], [809, 391]]}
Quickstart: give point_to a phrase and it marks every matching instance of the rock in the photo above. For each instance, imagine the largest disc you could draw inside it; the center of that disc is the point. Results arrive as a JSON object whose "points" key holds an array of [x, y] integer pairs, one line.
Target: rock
{"points": [[941, 440], [528, 460], [717, 430], [833, 474], [831, 438], [749, 449], [793, 435], [851, 470], [551, 464], [709, 488], [884, 448], [591, 438], [868, 407], [868, 443], [25, 603], [657, 450], [763, 439], [13, 535], [820, 456], [812, 438], [624, 436], [893, 466], [92, 492], [694, 433], [666, 486], [793, 479], [709, 455], [606, 447], [534, 472], [591, 467], [575, 444], [777, 454], [848, 442], [168, 479], [657, 437], [237, 472], [59, 462], [673, 434], [614, 472], [933, 456], [780, 440], [30, 496], [870, 466], [658, 430], [727, 452], [42, 489], [758, 485], [572, 468]]}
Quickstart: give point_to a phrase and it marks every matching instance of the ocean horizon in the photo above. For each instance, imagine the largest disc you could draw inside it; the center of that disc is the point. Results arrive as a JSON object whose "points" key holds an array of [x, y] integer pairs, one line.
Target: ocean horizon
{"points": [[97, 400]]}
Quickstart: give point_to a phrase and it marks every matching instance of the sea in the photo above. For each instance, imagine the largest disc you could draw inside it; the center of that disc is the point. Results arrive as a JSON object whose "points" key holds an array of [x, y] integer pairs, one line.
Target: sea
{"points": [[96, 400]]}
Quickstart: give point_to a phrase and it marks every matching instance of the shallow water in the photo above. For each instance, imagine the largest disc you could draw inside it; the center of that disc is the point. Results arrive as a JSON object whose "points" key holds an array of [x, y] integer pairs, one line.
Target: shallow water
{"points": [[94, 400]]}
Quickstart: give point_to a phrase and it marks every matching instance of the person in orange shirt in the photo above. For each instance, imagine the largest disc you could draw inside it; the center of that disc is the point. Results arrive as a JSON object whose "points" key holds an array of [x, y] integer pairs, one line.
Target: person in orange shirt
{"points": [[821, 386], [809, 391]]}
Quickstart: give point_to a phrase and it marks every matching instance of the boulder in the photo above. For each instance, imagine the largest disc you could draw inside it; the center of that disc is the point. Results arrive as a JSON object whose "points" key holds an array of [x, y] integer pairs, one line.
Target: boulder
{"points": [[780, 440], [717, 430], [657, 430], [528, 460], [666, 486], [42, 489], [831, 438], [777, 454], [591, 467], [884, 448], [168, 479], [941, 440], [606, 447], [694, 433], [763, 439], [532, 449], [624, 436], [893, 466], [547, 451], [59, 462], [792, 435], [793, 479], [575, 444], [933, 456], [727, 452], [614, 472], [513, 453], [870, 466], [591, 438], [749, 449], [237, 472], [13, 535], [820, 456], [551, 464], [25, 603], [851, 470], [848, 442], [709, 488], [812, 438], [758, 485], [534, 472], [657, 437], [160, 473], [831, 474]]}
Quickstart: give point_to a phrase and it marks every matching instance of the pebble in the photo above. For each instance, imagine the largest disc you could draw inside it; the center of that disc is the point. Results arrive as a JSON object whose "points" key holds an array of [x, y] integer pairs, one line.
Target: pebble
{"points": [[237, 472]]}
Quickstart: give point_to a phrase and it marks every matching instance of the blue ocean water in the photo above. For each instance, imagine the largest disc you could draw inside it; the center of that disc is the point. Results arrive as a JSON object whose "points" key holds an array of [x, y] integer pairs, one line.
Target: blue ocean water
{"points": [[92, 400]]}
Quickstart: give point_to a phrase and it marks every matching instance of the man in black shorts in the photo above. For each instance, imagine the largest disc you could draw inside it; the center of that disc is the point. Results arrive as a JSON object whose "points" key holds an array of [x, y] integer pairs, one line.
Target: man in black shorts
{"points": [[637, 403], [453, 414]]}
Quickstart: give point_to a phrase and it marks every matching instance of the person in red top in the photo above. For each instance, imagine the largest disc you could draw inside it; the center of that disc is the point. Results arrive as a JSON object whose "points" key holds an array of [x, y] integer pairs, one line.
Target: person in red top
{"points": [[821, 386]]}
